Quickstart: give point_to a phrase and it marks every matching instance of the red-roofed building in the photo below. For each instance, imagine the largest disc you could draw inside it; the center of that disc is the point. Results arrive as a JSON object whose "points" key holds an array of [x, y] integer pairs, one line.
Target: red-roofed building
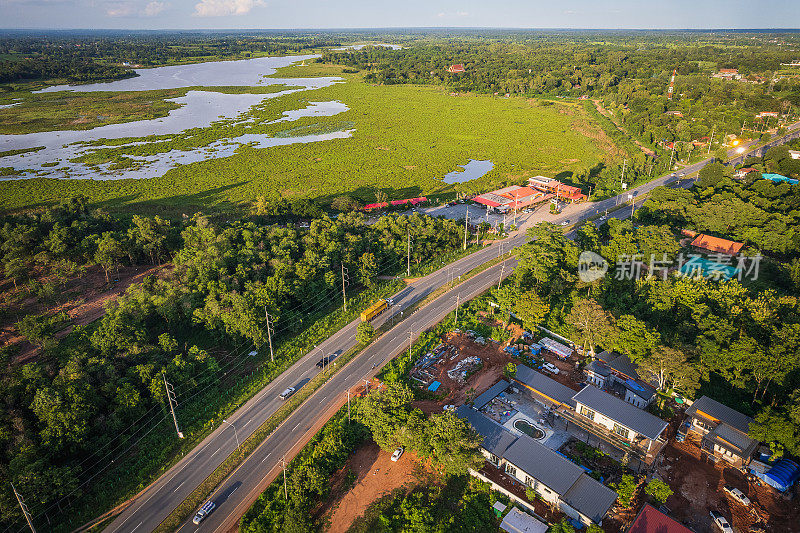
{"points": [[742, 172], [513, 197], [412, 201], [456, 69], [556, 188], [651, 520], [709, 243]]}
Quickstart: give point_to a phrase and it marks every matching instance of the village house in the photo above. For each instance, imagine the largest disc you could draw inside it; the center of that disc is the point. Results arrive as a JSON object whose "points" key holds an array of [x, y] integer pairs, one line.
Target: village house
{"points": [[456, 69], [611, 370], [743, 172], [727, 74], [546, 391], [560, 482], [722, 431], [511, 198], [651, 520], [561, 191]]}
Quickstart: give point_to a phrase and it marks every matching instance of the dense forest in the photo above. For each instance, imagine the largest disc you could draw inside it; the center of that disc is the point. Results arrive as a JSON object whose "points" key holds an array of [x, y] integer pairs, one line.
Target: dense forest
{"points": [[97, 393], [627, 74], [98, 56]]}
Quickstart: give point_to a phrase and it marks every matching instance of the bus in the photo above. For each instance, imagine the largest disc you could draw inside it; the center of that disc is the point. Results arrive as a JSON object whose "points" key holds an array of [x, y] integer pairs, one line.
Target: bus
{"points": [[374, 310]]}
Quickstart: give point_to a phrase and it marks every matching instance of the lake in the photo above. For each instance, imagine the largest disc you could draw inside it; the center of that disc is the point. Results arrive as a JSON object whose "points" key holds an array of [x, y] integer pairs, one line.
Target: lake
{"points": [[199, 109], [474, 169]]}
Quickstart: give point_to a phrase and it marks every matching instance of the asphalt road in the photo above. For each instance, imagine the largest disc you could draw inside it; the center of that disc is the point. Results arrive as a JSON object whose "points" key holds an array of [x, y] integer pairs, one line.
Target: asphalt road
{"points": [[156, 503], [242, 487]]}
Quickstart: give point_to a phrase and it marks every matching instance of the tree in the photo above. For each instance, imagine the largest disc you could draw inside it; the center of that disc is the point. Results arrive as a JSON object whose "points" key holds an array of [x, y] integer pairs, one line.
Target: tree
{"points": [[16, 269], [364, 333], [367, 269], [510, 370], [531, 308], [453, 443], [591, 321], [634, 338], [561, 527], [626, 488], [658, 490], [345, 203], [667, 365], [109, 252]]}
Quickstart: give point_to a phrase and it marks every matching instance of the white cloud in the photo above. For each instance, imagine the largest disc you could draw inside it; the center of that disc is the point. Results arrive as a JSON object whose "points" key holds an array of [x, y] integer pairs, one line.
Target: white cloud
{"points": [[221, 8], [120, 10], [154, 8]]}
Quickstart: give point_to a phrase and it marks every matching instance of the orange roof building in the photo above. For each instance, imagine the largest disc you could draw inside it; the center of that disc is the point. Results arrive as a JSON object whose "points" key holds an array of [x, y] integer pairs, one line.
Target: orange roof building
{"points": [[561, 190], [710, 243], [456, 69], [512, 197]]}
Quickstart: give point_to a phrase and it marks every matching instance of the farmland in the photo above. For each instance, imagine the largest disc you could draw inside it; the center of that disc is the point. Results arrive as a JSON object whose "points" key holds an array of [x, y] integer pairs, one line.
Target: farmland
{"points": [[405, 138]]}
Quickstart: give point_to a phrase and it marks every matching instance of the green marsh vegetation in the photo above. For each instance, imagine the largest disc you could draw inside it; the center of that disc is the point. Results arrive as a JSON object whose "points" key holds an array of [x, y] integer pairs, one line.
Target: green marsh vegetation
{"points": [[405, 139]]}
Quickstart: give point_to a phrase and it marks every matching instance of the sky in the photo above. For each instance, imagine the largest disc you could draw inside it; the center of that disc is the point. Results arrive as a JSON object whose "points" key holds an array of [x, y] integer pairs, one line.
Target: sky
{"points": [[302, 14]]}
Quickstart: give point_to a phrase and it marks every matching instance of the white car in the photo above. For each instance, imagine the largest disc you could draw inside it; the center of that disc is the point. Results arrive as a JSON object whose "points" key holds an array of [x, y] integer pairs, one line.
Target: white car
{"points": [[550, 367], [737, 495], [449, 407], [397, 454], [720, 522], [603, 217], [204, 511]]}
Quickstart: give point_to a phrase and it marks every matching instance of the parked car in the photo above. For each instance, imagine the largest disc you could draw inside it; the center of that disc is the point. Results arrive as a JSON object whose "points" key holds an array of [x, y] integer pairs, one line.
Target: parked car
{"points": [[564, 223], [550, 367], [449, 407], [602, 217], [204, 511], [288, 392], [397, 454], [720, 522], [737, 495]]}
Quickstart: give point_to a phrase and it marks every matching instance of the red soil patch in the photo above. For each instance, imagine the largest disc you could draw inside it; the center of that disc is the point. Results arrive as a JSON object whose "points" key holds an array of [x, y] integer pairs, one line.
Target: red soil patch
{"points": [[376, 476], [83, 299], [697, 484]]}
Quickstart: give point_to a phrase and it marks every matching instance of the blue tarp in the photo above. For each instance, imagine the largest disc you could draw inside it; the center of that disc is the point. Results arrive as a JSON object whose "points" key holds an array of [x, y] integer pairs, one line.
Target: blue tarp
{"points": [[433, 386], [782, 475]]}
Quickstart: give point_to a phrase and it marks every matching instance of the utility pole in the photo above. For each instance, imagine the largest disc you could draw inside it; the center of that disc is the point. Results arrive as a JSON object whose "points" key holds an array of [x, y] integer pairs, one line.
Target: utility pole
{"points": [[410, 338], [466, 221], [458, 302], [408, 256], [172, 403], [348, 406], [235, 433], [269, 335], [345, 278], [671, 155], [502, 270], [625, 163], [285, 491], [516, 207], [24, 508]]}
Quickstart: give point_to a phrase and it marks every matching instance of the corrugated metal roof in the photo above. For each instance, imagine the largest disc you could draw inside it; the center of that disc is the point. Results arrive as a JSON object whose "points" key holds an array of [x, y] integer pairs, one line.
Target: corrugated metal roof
{"points": [[518, 522], [651, 520], [621, 412], [489, 395], [542, 463], [590, 497], [723, 413], [734, 440], [544, 385], [496, 439]]}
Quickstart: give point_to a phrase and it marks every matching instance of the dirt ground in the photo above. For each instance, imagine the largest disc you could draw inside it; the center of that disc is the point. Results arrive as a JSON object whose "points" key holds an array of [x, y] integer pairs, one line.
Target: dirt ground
{"points": [[698, 483], [376, 475], [82, 298]]}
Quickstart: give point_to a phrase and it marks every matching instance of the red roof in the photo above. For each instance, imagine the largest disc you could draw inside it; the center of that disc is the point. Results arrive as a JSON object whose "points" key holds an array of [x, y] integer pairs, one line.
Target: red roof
{"points": [[715, 244], [456, 68], [728, 71], [651, 520], [412, 201]]}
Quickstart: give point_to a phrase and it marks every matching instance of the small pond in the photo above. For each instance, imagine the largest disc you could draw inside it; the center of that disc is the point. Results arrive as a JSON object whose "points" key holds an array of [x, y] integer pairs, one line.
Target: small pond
{"points": [[529, 429], [472, 170]]}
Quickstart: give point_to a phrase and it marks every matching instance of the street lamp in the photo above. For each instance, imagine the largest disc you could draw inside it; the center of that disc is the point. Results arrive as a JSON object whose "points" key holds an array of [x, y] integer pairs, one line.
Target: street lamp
{"points": [[235, 433]]}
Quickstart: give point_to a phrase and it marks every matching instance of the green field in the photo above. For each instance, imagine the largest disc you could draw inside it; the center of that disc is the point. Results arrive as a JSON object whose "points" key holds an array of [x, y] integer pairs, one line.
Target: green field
{"points": [[406, 138]]}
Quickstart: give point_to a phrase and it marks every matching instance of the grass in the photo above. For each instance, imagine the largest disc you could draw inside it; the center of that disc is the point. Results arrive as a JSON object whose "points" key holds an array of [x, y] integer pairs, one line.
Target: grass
{"points": [[67, 110], [406, 138]]}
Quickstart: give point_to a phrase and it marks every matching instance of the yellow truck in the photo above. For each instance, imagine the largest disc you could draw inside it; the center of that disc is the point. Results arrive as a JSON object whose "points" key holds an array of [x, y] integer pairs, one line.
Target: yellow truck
{"points": [[374, 310]]}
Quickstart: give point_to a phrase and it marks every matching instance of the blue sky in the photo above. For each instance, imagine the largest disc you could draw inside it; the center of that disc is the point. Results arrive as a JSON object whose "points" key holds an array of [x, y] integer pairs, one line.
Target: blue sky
{"points": [[167, 14]]}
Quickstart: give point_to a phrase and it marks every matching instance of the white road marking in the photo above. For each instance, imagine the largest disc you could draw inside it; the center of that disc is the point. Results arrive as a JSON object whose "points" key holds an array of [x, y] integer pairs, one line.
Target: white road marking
{"points": [[266, 457], [215, 453], [179, 486], [137, 527], [297, 426], [245, 424]]}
